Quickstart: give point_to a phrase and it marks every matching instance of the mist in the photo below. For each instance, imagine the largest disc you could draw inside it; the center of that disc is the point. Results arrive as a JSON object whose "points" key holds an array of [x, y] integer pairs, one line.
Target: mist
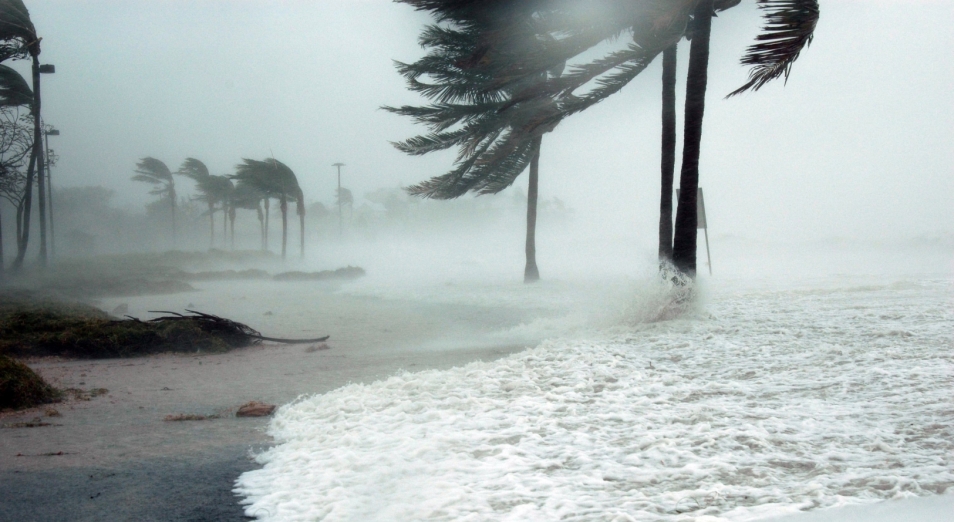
{"points": [[405, 366]]}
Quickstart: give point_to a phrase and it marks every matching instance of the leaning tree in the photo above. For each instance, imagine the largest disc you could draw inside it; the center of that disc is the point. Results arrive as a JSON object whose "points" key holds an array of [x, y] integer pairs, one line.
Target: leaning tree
{"points": [[213, 190], [489, 143], [466, 103], [276, 180], [18, 40], [155, 172]]}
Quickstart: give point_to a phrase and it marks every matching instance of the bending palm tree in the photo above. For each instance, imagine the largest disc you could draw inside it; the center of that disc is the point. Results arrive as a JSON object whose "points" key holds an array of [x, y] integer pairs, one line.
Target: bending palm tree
{"points": [[274, 179], [18, 39], [212, 190], [155, 172], [497, 132], [248, 197]]}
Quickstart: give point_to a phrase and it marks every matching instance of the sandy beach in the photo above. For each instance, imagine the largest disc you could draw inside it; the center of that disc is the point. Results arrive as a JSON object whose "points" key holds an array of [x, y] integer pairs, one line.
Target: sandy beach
{"points": [[113, 457]]}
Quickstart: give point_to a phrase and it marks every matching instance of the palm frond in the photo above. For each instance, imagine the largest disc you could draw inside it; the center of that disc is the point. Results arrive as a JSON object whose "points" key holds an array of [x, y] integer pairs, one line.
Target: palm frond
{"points": [[15, 23], [14, 90], [151, 170], [194, 169], [789, 28]]}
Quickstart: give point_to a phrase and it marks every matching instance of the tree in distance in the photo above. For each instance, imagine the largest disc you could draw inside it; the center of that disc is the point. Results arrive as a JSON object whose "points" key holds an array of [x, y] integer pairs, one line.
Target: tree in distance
{"points": [[155, 172], [275, 180], [213, 190]]}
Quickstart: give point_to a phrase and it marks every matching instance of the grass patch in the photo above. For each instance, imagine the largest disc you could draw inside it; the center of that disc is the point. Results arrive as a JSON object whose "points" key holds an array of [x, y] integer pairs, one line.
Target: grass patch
{"points": [[348, 272], [77, 330], [21, 387]]}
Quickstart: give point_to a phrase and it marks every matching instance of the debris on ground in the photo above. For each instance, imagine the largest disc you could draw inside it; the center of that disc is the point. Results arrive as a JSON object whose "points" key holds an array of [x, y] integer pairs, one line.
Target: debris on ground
{"points": [[255, 409], [21, 387]]}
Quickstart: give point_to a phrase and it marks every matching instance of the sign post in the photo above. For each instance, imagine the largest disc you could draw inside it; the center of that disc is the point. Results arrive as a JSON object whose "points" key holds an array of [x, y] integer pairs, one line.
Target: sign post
{"points": [[701, 223]]}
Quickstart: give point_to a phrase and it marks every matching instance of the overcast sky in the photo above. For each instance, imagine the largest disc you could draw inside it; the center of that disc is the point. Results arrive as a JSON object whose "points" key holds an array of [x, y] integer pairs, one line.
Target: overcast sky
{"points": [[859, 143]]}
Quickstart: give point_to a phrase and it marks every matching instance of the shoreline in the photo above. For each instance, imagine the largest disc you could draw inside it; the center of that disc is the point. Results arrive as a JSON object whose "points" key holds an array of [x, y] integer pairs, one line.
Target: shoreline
{"points": [[114, 456]]}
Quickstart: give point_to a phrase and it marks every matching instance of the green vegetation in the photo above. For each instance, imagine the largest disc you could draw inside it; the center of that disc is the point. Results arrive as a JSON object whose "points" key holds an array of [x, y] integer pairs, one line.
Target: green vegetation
{"points": [[21, 387], [76, 330]]}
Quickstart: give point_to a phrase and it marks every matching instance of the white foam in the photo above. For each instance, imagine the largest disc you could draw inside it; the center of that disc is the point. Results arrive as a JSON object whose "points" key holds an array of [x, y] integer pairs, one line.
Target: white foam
{"points": [[767, 403]]}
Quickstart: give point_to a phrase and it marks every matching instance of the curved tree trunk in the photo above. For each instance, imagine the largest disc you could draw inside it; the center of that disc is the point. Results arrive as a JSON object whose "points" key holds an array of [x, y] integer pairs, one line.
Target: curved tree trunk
{"points": [[283, 206], [1, 247], [261, 224], [211, 226], [172, 199], [265, 234], [684, 243], [23, 238], [300, 208], [530, 272], [232, 224], [668, 161]]}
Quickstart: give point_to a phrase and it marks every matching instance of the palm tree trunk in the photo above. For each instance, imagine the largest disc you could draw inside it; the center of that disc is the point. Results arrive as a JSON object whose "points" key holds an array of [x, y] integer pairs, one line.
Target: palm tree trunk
{"points": [[300, 208], [172, 199], [668, 162], [530, 272], [1, 246], [211, 226], [261, 225], [232, 223], [283, 206], [23, 239], [265, 235], [684, 243]]}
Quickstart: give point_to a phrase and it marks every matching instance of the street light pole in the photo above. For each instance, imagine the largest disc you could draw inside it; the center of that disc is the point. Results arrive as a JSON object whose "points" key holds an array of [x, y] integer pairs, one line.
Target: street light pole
{"points": [[49, 186], [40, 161], [340, 218]]}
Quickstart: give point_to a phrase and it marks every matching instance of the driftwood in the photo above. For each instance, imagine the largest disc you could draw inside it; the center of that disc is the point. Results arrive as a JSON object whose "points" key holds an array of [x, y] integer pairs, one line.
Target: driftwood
{"points": [[216, 324]]}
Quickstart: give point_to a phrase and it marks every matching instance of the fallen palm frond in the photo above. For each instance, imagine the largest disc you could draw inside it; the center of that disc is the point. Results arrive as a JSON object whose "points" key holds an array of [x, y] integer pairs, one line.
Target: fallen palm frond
{"points": [[82, 331], [227, 327]]}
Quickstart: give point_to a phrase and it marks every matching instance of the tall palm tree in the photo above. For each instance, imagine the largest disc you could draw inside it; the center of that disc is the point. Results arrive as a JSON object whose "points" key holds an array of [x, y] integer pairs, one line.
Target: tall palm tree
{"points": [[18, 39], [213, 190], [668, 155], [496, 133], [14, 92], [248, 197], [155, 172], [276, 180], [451, 64]]}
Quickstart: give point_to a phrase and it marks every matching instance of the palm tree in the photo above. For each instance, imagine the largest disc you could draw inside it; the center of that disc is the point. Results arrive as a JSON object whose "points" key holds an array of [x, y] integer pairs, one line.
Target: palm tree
{"points": [[275, 180], [155, 172], [248, 197], [496, 133], [668, 156], [457, 102], [14, 92], [212, 190], [18, 39]]}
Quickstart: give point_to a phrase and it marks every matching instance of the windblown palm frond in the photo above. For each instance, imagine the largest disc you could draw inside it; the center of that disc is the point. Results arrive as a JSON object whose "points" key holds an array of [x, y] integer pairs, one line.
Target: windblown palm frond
{"points": [[17, 34], [194, 169], [270, 177], [14, 90], [151, 170], [789, 28]]}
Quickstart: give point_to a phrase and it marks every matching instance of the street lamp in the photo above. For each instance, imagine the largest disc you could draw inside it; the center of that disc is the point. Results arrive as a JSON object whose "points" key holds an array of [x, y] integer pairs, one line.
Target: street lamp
{"points": [[41, 69], [340, 218], [49, 183]]}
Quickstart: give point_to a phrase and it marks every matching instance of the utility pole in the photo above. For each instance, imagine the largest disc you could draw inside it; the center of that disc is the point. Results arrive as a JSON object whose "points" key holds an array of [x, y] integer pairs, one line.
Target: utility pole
{"points": [[340, 216], [49, 187]]}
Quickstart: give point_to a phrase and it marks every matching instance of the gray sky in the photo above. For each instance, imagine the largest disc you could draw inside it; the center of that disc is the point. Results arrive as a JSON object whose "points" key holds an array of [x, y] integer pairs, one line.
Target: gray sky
{"points": [[859, 143]]}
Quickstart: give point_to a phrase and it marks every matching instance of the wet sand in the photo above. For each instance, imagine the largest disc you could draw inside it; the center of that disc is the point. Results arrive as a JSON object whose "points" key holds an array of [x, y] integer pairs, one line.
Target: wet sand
{"points": [[114, 458]]}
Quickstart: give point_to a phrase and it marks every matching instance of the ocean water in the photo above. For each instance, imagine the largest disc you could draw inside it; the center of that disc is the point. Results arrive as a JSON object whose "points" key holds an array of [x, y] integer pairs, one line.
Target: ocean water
{"points": [[753, 402]]}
